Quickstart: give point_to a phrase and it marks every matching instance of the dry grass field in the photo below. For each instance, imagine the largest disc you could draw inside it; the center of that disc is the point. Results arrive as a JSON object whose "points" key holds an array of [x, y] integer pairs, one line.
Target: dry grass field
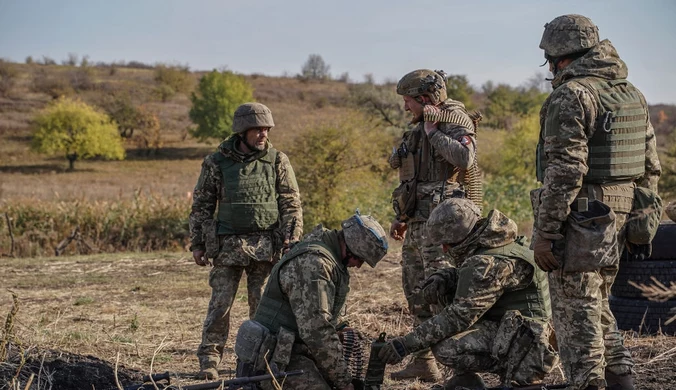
{"points": [[83, 315]]}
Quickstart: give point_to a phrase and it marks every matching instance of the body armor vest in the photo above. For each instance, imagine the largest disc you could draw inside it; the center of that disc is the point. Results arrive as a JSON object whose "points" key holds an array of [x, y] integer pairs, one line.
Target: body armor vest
{"points": [[617, 147], [532, 301], [274, 310], [249, 198]]}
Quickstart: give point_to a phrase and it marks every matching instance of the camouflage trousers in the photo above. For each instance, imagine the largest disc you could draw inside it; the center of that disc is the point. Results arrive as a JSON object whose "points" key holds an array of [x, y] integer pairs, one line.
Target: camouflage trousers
{"points": [[586, 330], [475, 351], [419, 261], [224, 282]]}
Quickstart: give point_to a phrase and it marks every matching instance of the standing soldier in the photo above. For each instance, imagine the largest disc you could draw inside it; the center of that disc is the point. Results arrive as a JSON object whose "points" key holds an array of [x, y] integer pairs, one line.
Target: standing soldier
{"points": [[295, 325], [253, 188], [430, 160], [596, 146]]}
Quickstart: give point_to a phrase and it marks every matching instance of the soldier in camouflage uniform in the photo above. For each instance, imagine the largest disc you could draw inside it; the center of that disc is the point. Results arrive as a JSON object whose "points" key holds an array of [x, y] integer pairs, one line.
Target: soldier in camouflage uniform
{"points": [[596, 145], [304, 297], [430, 159], [496, 303], [253, 188]]}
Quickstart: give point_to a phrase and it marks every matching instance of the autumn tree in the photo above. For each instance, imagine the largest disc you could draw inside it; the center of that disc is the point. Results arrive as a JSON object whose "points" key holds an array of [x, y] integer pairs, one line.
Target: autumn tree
{"points": [[213, 104], [77, 130]]}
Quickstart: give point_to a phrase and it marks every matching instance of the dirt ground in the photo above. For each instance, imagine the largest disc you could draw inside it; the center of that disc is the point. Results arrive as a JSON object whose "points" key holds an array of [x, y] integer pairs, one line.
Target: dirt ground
{"points": [[84, 321]]}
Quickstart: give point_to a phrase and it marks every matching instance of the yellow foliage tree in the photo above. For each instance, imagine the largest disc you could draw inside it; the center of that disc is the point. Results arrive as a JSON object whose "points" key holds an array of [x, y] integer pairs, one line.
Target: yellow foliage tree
{"points": [[77, 130]]}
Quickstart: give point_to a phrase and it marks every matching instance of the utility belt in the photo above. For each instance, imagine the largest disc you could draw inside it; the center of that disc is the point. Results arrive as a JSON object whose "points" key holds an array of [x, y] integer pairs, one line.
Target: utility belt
{"points": [[417, 199], [619, 196]]}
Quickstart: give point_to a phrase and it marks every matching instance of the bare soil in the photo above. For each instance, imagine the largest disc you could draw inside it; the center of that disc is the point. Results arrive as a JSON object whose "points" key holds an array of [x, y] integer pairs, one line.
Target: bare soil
{"points": [[84, 321]]}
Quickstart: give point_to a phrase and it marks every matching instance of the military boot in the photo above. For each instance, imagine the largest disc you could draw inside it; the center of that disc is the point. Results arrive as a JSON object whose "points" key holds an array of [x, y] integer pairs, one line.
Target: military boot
{"points": [[423, 367], [467, 380], [619, 382]]}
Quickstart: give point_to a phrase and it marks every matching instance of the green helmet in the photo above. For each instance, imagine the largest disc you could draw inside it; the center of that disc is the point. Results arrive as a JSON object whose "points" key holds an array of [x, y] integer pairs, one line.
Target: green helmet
{"points": [[250, 115], [365, 238], [452, 221], [569, 34], [431, 83]]}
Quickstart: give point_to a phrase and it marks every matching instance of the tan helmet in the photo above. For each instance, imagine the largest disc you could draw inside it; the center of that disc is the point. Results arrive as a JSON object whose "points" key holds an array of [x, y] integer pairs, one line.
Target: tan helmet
{"points": [[365, 238], [431, 83], [569, 34], [250, 115], [452, 221]]}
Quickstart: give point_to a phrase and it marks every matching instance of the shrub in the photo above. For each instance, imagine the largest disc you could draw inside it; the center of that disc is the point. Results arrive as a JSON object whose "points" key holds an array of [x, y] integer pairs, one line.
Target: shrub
{"points": [[51, 83], [213, 104], [77, 130], [178, 78], [340, 167]]}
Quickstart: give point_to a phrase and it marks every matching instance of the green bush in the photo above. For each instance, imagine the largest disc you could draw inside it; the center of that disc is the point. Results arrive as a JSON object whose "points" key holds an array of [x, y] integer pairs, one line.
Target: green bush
{"points": [[511, 195], [341, 167], [213, 105]]}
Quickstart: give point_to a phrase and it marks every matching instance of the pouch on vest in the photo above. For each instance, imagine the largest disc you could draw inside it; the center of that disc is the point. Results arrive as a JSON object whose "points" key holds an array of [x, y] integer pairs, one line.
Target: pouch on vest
{"points": [[591, 239], [644, 219], [404, 200], [210, 237], [522, 344], [282, 354], [251, 337]]}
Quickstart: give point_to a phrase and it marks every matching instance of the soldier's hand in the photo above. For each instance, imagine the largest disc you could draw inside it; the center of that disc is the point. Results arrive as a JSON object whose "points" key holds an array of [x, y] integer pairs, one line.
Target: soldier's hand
{"points": [[544, 257], [200, 258], [393, 352], [398, 230], [434, 289]]}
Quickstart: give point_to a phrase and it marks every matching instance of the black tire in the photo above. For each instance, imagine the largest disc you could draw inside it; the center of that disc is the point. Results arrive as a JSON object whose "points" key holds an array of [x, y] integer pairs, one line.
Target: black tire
{"points": [[643, 316], [664, 243], [640, 272]]}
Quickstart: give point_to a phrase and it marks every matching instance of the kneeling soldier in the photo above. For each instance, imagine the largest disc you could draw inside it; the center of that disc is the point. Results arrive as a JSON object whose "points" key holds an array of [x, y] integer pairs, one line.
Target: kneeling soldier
{"points": [[295, 325], [496, 303]]}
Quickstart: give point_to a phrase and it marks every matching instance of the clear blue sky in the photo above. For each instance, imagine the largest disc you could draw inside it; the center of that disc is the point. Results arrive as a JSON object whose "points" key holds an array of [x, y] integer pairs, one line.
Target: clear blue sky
{"points": [[484, 40]]}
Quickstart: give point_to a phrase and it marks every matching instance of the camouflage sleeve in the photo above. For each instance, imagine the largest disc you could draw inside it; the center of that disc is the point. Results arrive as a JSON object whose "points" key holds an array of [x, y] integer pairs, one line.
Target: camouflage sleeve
{"points": [[482, 280], [456, 144], [653, 170], [308, 283], [570, 113], [288, 196], [204, 201]]}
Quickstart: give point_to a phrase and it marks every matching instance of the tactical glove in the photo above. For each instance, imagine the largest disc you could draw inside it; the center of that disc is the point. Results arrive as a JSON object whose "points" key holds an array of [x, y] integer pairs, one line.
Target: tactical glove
{"points": [[434, 290], [544, 257], [393, 352]]}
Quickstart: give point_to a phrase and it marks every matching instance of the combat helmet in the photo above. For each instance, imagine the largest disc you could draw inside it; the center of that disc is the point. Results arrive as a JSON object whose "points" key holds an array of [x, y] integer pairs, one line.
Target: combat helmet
{"points": [[452, 221], [365, 238], [569, 34], [431, 83], [250, 115]]}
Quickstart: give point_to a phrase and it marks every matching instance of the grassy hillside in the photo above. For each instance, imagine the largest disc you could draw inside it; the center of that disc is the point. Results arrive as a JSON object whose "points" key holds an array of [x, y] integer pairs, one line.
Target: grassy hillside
{"points": [[42, 198]]}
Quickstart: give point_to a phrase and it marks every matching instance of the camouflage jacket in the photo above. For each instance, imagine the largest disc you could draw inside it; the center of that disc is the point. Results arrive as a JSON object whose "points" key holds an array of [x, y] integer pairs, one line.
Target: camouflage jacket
{"points": [[309, 281], [449, 143], [566, 152], [209, 190], [491, 277]]}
